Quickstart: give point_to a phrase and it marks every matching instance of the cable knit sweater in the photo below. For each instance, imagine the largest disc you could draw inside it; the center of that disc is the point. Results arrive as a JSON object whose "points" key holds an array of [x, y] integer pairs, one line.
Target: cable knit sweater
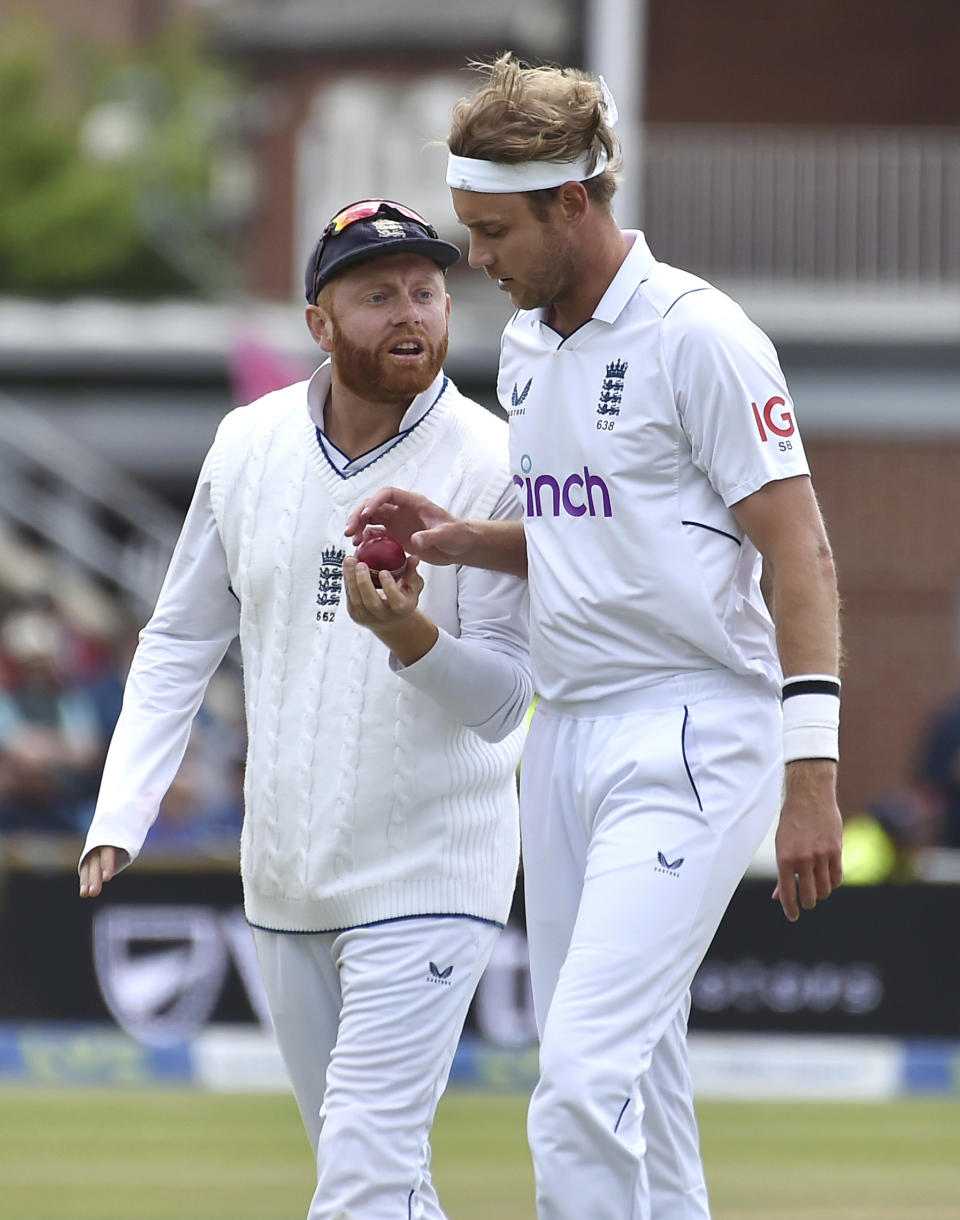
{"points": [[366, 799]]}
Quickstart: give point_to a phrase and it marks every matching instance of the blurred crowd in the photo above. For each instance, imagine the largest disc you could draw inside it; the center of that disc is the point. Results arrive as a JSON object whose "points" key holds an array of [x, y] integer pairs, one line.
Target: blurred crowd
{"points": [[65, 647], [888, 838]]}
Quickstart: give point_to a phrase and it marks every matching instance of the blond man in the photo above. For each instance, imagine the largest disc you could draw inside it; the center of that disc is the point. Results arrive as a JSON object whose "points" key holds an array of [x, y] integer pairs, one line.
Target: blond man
{"points": [[654, 446]]}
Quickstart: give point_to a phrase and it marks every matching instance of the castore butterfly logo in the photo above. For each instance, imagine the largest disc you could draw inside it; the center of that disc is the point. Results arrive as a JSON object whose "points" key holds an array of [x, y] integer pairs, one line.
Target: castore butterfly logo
{"points": [[517, 396], [437, 975]]}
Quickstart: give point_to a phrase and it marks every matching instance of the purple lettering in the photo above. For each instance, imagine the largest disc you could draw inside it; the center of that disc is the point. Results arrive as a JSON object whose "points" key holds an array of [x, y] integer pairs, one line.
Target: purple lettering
{"points": [[524, 485], [547, 480], [575, 510], [592, 481], [560, 499]]}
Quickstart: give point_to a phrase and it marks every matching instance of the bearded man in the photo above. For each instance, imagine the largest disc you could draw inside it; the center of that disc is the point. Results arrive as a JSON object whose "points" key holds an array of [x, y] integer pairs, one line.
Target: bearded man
{"points": [[380, 839]]}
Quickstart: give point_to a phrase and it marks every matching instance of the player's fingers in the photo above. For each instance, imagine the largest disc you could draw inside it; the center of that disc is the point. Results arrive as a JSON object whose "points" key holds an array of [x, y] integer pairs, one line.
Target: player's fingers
{"points": [[382, 501], [786, 891], [411, 577], [108, 863], [354, 526], [393, 595], [351, 589], [822, 878], [373, 510], [90, 879], [372, 593], [444, 538], [403, 593], [100, 866], [409, 581], [372, 531], [363, 600], [829, 873], [807, 886]]}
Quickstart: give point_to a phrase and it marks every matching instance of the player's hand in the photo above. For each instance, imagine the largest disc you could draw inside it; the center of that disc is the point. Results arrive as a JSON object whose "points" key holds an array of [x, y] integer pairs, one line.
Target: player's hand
{"points": [[100, 866], [393, 602], [391, 612], [420, 526], [809, 838]]}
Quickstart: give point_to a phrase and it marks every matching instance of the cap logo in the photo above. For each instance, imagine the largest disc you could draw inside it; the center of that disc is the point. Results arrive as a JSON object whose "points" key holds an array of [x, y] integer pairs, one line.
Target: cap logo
{"points": [[389, 228]]}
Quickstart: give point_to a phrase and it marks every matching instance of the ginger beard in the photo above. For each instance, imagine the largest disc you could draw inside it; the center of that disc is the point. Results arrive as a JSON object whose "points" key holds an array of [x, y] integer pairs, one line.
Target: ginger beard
{"points": [[377, 376]]}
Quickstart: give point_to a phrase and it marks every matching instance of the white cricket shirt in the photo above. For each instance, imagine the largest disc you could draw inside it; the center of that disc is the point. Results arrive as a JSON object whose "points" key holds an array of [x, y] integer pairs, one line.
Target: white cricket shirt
{"points": [[630, 440]]}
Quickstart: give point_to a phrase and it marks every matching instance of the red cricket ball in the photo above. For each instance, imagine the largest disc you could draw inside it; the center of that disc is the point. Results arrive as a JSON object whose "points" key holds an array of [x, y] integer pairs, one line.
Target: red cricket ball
{"points": [[379, 553]]}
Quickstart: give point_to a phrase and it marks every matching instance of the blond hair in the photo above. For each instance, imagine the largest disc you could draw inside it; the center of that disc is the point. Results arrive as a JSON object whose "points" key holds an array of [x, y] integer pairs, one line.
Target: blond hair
{"points": [[536, 114]]}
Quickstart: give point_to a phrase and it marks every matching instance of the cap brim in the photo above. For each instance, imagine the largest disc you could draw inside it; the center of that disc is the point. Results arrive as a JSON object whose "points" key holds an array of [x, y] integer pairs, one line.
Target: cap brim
{"points": [[443, 253]]}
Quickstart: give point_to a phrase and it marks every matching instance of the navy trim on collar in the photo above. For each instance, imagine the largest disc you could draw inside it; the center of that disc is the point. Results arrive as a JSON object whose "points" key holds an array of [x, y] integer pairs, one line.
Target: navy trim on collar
{"points": [[323, 440]]}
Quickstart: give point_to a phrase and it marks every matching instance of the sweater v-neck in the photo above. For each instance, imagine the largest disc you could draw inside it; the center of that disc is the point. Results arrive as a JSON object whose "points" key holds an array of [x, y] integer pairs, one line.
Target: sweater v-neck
{"points": [[409, 445]]}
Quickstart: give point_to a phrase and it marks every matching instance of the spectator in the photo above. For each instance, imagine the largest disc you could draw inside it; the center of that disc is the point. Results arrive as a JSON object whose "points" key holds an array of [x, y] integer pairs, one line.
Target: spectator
{"points": [[51, 745], [939, 769], [881, 842], [64, 636], [205, 801]]}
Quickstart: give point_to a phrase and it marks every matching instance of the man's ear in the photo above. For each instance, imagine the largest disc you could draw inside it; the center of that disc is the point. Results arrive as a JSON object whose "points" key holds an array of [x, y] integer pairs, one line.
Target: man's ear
{"points": [[574, 202], [319, 323]]}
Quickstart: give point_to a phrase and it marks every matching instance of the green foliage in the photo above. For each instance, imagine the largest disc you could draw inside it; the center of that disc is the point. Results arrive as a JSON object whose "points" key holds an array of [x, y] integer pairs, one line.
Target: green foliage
{"points": [[105, 167]]}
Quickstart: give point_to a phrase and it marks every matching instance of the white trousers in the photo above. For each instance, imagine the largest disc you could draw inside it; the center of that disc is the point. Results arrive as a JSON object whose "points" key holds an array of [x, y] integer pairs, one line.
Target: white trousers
{"points": [[368, 1021], [636, 830]]}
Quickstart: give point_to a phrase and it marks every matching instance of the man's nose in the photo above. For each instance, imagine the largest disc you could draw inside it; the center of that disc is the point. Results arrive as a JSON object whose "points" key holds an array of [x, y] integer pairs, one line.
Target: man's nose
{"points": [[479, 255], [409, 309]]}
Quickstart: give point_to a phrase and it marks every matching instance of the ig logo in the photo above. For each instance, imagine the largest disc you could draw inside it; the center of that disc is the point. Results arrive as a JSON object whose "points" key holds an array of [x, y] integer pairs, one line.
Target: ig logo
{"points": [[782, 425]]}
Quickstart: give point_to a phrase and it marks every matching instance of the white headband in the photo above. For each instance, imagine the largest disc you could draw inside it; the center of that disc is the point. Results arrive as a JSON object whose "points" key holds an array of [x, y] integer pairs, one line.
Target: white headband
{"points": [[498, 178]]}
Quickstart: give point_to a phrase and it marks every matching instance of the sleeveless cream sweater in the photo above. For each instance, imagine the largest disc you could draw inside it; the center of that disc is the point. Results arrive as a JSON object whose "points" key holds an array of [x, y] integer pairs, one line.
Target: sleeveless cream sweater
{"points": [[364, 802]]}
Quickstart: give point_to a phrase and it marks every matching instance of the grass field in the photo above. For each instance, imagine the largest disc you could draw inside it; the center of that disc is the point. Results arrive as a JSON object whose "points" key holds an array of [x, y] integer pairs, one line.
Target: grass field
{"points": [[172, 1155]]}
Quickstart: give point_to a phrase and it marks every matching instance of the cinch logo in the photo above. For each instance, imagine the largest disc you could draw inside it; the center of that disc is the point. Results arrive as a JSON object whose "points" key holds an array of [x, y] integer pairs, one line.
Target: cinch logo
{"points": [[785, 427], [574, 496]]}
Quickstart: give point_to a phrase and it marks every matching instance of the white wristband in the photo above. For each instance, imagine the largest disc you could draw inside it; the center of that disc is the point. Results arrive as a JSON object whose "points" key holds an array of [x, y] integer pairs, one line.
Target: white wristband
{"points": [[811, 717]]}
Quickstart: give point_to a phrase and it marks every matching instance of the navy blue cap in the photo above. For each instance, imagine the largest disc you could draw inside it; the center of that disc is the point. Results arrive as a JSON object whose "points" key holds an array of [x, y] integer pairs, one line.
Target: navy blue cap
{"points": [[369, 229]]}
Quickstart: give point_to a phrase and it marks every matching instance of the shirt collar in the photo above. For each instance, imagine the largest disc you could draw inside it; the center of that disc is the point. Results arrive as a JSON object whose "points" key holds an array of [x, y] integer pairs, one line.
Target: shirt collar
{"points": [[634, 269], [319, 387]]}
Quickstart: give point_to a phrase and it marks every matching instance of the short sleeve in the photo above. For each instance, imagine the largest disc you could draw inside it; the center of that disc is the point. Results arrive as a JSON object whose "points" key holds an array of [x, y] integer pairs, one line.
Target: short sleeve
{"points": [[731, 396]]}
